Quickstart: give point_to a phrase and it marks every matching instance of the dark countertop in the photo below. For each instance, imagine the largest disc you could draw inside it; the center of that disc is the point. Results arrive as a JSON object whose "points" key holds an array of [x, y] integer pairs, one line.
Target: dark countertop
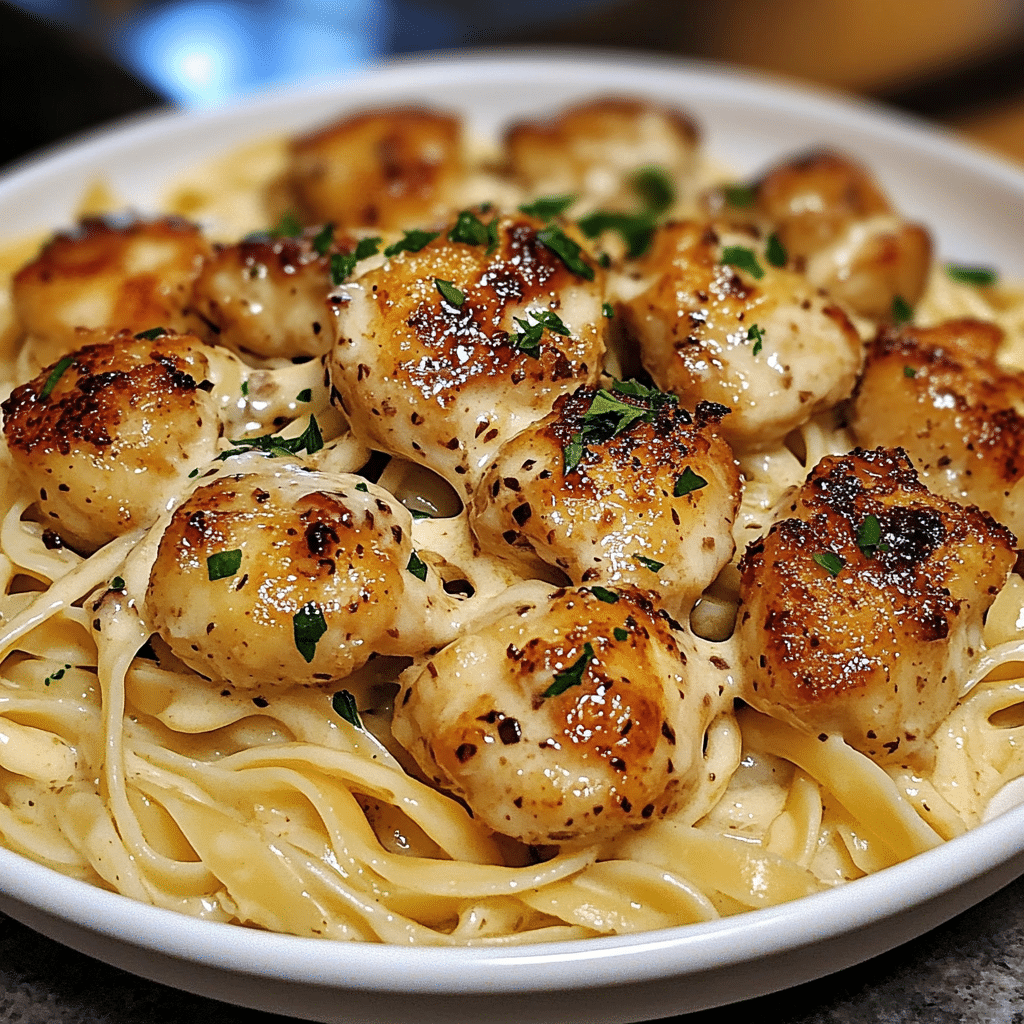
{"points": [[969, 971]]}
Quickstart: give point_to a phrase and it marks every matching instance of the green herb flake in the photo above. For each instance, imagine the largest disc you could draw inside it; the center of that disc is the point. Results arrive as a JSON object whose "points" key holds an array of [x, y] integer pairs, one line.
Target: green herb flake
{"points": [[342, 264], [419, 513], [117, 583], [548, 207], [555, 239], [687, 482], [604, 260], [902, 313], [655, 189], [452, 295], [756, 335], [55, 375], [305, 395], [194, 473], [869, 537], [411, 241], [323, 239], [363, 488], [527, 338], [620, 634], [742, 258], [469, 229], [54, 676], [223, 564], [636, 229], [775, 252], [982, 277], [417, 566], [367, 247], [603, 594], [739, 196], [909, 371], [288, 226], [151, 335], [573, 675], [606, 311], [344, 704], [649, 563], [830, 562], [308, 625], [311, 440], [572, 454]]}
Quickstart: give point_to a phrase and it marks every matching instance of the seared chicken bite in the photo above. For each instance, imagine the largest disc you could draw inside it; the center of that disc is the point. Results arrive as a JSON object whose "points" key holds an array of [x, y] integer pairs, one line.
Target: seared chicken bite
{"points": [[285, 576], [616, 486], [841, 230], [108, 435], [135, 275], [598, 147], [381, 169], [940, 394], [862, 613], [446, 351], [267, 297], [568, 717], [719, 323]]}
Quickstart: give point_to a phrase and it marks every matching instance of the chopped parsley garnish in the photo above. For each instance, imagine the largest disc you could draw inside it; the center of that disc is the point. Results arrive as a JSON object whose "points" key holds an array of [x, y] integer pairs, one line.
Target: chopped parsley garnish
{"points": [[308, 625], [983, 277], [606, 310], [310, 440], [739, 195], [323, 239], [620, 634], [775, 252], [223, 564], [417, 566], [688, 481], [548, 207], [901, 311], [412, 241], [830, 562], [869, 537], [756, 335], [909, 371], [54, 676], [419, 513], [612, 413], [655, 189], [151, 335], [305, 395], [245, 388], [343, 263], [452, 295], [742, 258], [363, 488], [649, 563], [603, 594], [555, 239], [469, 229], [604, 260], [117, 583], [636, 229], [288, 226], [527, 338], [345, 705], [55, 375], [573, 675]]}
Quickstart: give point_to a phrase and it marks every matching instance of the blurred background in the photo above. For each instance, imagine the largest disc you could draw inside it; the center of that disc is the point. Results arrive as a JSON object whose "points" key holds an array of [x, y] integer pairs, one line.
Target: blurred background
{"points": [[69, 64]]}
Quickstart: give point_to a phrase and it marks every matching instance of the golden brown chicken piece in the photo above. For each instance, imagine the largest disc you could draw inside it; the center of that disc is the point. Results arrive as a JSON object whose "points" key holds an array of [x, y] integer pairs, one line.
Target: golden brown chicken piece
{"points": [[135, 275], [447, 351], [108, 435], [281, 576], [267, 297], [596, 148], [572, 716], [718, 322], [862, 613], [617, 486], [391, 169], [940, 394], [841, 230]]}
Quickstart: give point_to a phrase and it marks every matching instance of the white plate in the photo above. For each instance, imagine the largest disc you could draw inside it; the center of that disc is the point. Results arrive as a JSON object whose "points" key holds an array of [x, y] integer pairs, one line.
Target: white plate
{"points": [[971, 201]]}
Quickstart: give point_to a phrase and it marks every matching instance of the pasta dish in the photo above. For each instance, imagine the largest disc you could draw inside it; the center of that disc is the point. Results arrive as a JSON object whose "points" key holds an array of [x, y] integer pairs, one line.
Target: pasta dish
{"points": [[411, 541]]}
